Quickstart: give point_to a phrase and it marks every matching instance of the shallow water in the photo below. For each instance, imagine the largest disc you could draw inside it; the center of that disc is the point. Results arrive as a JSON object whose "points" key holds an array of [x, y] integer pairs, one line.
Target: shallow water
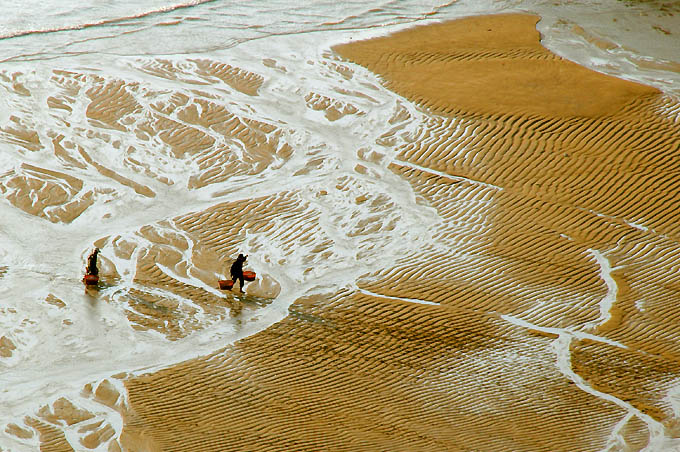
{"points": [[96, 142]]}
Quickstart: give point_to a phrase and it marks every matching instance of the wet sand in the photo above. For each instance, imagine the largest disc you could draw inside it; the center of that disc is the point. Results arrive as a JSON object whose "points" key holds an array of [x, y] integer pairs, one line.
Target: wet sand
{"points": [[555, 328]]}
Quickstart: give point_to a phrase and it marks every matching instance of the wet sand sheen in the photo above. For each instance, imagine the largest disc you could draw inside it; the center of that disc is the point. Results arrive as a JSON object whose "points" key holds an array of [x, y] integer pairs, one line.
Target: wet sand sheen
{"points": [[558, 183]]}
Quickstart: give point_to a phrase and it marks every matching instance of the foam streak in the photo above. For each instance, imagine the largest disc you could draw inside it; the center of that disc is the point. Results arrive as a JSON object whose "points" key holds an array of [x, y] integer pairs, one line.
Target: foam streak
{"points": [[562, 347]]}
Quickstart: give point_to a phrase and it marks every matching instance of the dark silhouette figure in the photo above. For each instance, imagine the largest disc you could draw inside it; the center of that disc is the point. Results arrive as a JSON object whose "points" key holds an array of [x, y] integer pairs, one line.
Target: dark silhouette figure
{"points": [[92, 263], [237, 270]]}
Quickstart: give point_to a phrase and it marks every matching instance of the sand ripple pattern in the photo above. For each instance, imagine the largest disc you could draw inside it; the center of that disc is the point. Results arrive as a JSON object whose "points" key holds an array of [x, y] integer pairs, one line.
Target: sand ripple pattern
{"points": [[411, 376], [552, 191], [91, 421], [332, 109], [521, 298], [55, 196], [163, 137], [542, 300]]}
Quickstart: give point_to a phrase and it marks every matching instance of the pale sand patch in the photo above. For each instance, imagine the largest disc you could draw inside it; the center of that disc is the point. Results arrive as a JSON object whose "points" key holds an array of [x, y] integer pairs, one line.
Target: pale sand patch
{"points": [[21, 135], [173, 288], [241, 80], [538, 162], [53, 195], [6, 347], [66, 425]]}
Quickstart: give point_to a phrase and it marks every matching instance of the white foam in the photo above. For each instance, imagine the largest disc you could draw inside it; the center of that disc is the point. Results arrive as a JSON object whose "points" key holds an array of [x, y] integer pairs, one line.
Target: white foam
{"points": [[408, 300], [562, 347], [609, 299]]}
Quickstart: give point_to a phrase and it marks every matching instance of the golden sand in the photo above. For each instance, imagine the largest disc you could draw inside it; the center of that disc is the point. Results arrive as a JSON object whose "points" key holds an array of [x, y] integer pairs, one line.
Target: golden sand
{"points": [[358, 372], [50, 420], [489, 65], [543, 171]]}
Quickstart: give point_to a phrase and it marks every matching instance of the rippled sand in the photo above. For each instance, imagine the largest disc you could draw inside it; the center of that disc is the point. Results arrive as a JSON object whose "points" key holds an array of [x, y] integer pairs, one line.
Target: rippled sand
{"points": [[540, 316]]}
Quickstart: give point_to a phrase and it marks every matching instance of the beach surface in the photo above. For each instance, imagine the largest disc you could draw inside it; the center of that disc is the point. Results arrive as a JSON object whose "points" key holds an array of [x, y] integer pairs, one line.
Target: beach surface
{"points": [[463, 239]]}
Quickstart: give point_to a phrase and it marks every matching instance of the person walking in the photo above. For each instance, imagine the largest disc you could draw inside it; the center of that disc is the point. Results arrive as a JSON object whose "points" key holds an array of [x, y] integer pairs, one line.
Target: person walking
{"points": [[237, 270], [92, 263]]}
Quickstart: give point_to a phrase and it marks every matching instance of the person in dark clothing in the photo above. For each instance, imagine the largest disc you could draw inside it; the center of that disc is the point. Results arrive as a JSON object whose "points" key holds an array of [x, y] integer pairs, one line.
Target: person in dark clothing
{"points": [[237, 270], [92, 263]]}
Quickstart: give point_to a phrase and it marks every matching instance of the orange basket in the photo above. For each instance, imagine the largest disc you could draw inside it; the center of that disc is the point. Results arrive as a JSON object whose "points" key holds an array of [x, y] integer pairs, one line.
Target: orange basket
{"points": [[90, 280], [249, 276], [225, 284]]}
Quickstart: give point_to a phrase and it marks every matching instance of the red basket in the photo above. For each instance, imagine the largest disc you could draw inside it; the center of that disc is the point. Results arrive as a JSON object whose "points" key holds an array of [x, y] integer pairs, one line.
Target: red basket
{"points": [[249, 276], [225, 284], [90, 280]]}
